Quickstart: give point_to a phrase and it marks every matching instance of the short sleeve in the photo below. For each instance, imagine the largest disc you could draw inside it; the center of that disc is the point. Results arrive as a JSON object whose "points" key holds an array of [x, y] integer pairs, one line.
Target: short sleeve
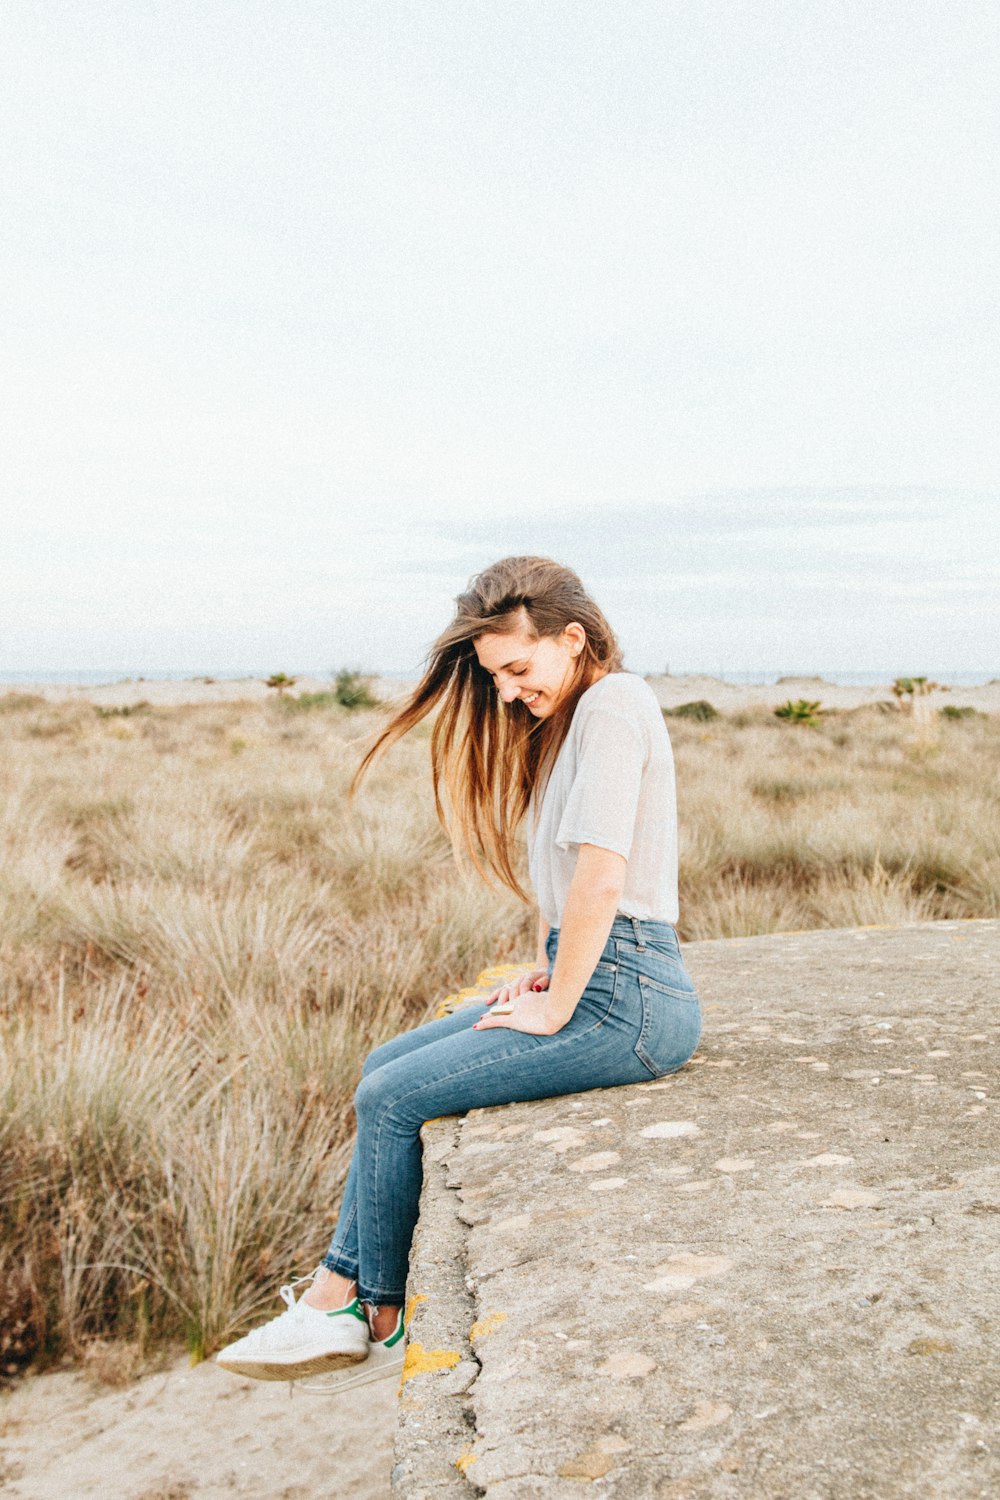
{"points": [[603, 796]]}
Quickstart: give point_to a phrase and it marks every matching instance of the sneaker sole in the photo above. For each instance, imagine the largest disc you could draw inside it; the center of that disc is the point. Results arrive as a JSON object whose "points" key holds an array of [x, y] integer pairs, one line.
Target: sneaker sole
{"points": [[292, 1369], [371, 1370]]}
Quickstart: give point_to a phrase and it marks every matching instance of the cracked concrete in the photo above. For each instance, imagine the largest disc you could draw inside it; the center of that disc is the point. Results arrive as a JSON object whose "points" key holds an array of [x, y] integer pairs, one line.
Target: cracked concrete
{"points": [[773, 1274]]}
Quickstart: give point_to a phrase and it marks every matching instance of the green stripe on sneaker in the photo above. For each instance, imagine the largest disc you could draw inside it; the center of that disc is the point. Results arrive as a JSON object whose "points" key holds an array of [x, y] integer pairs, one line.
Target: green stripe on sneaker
{"points": [[354, 1308], [394, 1338]]}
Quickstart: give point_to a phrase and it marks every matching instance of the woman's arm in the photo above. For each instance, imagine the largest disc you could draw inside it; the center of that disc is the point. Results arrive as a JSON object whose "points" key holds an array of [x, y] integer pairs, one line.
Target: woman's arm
{"points": [[591, 904]]}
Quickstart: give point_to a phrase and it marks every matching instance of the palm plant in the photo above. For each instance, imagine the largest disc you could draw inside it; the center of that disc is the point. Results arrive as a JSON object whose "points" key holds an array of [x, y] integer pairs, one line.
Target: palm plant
{"points": [[801, 711]]}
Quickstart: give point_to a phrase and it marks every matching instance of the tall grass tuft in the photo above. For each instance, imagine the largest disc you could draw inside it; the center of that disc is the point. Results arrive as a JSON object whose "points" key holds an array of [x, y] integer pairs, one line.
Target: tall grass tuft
{"points": [[200, 940]]}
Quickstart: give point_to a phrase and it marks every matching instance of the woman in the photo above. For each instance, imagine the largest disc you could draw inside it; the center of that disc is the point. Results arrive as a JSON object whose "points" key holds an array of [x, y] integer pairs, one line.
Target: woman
{"points": [[536, 719]]}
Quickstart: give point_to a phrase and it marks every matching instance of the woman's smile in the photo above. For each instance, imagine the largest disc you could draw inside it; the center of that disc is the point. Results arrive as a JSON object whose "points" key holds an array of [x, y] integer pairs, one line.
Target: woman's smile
{"points": [[510, 656]]}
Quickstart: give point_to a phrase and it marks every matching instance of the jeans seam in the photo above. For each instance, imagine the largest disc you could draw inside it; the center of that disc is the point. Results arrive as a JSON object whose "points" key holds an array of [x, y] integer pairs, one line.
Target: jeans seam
{"points": [[375, 1205], [347, 1227]]}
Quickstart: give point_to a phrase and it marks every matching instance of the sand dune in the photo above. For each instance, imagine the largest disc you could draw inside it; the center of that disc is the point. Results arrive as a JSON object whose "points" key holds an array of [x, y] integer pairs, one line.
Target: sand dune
{"points": [[727, 697]]}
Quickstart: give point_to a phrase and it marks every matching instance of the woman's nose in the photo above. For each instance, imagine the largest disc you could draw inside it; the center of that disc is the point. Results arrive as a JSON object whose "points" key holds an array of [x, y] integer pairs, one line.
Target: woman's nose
{"points": [[508, 691]]}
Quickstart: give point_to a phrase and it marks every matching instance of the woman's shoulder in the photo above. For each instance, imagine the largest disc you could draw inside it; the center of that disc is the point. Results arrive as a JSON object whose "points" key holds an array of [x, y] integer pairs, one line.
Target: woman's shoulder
{"points": [[619, 692]]}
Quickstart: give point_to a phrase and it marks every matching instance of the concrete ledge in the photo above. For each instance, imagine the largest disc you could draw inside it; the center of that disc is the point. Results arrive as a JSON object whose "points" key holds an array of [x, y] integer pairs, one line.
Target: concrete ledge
{"points": [[773, 1274]]}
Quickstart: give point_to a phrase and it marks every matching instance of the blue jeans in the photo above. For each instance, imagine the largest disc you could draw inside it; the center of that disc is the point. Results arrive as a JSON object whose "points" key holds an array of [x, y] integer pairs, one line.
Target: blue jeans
{"points": [[637, 1019]]}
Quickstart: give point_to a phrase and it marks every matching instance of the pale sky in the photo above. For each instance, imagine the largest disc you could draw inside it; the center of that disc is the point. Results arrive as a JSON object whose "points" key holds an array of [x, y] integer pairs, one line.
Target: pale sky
{"points": [[310, 310]]}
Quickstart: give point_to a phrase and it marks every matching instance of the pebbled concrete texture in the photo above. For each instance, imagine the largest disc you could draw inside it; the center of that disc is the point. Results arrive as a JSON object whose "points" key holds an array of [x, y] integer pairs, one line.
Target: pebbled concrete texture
{"points": [[772, 1274]]}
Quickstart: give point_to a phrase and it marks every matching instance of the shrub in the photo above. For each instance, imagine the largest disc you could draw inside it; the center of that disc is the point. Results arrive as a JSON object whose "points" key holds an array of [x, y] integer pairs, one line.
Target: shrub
{"points": [[700, 709], [307, 701], [352, 690], [956, 711], [801, 711], [13, 703], [125, 711], [777, 789]]}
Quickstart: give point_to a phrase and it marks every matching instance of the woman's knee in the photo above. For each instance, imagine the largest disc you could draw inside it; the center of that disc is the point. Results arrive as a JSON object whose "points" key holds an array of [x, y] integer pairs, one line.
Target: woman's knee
{"points": [[387, 1092], [370, 1095]]}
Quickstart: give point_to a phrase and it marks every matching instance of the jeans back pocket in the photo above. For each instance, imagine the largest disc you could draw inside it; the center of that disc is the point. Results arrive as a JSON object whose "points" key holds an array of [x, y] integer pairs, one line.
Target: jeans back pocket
{"points": [[671, 1026]]}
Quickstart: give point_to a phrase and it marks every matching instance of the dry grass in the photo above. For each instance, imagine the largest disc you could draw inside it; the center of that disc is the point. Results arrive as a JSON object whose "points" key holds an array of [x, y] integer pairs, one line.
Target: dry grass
{"points": [[200, 940], [865, 820]]}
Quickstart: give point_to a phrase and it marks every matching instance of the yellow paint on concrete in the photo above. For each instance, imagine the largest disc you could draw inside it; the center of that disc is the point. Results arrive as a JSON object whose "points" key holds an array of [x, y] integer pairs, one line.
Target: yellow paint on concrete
{"points": [[421, 1361], [500, 971], [411, 1304], [487, 979], [464, 1459], [486, 1325]]}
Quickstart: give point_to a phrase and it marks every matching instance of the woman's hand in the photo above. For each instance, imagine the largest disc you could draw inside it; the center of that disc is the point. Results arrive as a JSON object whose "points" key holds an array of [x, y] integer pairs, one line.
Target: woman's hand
{"points": [[535, 979], [531, 1012]]}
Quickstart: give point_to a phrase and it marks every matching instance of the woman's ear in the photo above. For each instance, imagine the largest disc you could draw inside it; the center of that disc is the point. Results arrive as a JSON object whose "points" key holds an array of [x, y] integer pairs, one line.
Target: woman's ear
{"points": [[574, 638]]}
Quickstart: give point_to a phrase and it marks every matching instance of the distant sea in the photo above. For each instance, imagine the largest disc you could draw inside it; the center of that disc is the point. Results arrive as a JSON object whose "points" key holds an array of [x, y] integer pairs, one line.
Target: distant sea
{"points": [[750, 678]]}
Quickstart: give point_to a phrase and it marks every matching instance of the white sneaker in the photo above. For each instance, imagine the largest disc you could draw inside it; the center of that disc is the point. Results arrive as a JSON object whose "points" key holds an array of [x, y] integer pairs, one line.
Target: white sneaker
{"points": [[302, 1340], [385, 1357]]}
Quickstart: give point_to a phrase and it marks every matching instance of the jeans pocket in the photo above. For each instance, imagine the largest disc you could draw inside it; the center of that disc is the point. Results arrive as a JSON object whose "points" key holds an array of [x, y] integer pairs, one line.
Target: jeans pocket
{"points": [[671, 1026], [599, 995]]}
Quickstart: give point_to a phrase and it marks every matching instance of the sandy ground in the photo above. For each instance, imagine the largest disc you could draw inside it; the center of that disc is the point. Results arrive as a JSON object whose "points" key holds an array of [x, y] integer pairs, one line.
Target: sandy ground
{"points": [[725, 696], [193, 1434]]}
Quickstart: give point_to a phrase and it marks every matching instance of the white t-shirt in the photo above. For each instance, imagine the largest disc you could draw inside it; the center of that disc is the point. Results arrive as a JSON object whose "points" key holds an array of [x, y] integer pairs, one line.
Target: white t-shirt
{"points": [[612, 785]]}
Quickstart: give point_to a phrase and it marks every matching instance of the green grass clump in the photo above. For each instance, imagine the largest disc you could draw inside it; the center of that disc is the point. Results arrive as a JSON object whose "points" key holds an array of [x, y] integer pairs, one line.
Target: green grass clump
{"points": [[700, 710], [960, 711], [306, 702], [125, 711], [350, 690], [353, 690], [800, 711]]}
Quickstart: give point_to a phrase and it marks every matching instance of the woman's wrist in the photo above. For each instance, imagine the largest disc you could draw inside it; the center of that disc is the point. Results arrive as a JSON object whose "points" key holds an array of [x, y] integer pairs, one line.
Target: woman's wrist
{"points": [[557, 1009]]}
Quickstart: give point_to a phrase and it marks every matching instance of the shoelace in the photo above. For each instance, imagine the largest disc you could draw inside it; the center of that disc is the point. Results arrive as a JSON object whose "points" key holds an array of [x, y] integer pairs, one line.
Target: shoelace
{"points": [[288, 1290], [262, 1336]]}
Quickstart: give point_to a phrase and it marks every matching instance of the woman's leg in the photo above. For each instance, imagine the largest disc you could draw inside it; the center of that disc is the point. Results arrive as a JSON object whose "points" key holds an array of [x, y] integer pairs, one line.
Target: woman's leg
{"points": [[463, 1070], [341, 1259]]}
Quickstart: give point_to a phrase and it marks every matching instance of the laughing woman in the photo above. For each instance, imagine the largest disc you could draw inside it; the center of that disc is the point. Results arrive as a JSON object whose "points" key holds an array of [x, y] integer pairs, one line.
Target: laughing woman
{"points": [[537, 721]]}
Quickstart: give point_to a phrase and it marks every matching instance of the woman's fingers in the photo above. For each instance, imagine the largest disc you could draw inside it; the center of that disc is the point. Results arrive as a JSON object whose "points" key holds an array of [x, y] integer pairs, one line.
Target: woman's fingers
{"points": [[502, 994], [527, 1014], [501, 1012], [536, 980]]}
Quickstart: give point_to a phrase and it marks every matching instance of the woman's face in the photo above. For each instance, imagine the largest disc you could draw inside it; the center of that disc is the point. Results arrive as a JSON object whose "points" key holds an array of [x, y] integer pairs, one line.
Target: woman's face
{"points": [[538, 670]]}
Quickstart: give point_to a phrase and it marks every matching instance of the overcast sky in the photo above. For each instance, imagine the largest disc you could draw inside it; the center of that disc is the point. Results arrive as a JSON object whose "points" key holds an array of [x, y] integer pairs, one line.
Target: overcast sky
{"points": [[312, 309]]}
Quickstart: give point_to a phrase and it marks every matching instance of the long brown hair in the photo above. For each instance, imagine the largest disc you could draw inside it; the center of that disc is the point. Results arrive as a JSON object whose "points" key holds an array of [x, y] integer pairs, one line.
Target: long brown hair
{"points": [[486, 756]]}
